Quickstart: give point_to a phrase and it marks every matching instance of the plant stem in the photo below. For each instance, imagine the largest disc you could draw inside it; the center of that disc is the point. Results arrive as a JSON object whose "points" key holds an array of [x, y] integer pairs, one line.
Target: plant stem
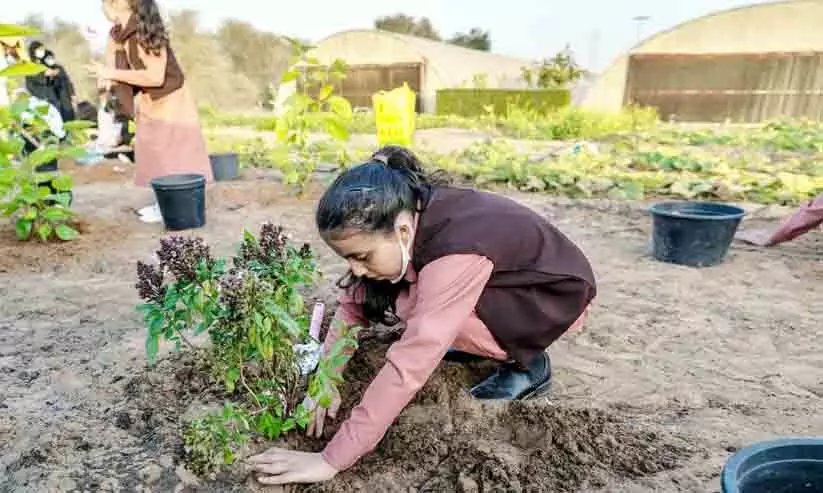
{"points": [[183, 337], [248, 389]]}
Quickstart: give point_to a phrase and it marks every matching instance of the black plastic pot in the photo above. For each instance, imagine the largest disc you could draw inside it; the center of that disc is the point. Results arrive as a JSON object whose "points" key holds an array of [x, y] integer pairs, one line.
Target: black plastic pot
{"points": [[695, 234], [225, 167], [182, 200], [789, 465]]}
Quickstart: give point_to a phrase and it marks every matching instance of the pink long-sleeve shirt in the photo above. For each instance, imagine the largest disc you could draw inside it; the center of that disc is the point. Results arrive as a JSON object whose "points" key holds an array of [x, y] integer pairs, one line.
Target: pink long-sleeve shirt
{"points": [[438, 311], [807, 217]]}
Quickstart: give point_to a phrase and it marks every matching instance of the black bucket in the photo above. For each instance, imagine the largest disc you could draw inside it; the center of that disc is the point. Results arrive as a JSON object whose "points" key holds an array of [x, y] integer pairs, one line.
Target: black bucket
{"points": [[225, 167], [789, 465], [696, 234], [182, 200]]}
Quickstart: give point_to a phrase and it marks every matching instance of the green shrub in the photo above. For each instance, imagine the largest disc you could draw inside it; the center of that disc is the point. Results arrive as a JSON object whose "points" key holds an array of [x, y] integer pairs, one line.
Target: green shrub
{"points": [[477, 102]]}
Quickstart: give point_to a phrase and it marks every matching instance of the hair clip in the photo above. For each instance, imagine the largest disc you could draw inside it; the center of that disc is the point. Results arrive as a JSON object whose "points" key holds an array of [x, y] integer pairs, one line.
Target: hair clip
{"points": [[380, 158]]}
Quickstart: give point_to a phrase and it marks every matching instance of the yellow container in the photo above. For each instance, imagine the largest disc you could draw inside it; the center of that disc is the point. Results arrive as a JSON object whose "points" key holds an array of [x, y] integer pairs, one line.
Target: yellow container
{"points": [[395, 116]]}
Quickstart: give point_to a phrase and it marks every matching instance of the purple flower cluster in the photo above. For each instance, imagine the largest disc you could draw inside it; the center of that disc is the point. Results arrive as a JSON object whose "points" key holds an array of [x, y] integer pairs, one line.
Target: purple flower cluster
{"points": [[150, 282], [181, 256], [231, 289], [273, 240], [306, 252]]}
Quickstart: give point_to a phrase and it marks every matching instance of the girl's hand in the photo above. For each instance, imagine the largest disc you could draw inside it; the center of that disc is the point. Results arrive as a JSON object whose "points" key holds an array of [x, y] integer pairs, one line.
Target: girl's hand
{"points": [[318, 419], [282, 466], [97, 69]]}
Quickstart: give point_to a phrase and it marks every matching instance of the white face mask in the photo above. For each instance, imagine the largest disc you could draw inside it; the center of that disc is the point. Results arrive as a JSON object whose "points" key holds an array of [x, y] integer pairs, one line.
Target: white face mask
{"points": [[405, 258]]}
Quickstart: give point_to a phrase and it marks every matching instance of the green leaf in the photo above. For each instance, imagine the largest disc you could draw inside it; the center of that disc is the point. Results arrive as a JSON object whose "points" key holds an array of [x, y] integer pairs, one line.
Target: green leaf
{"points": [[325, 401], [228, 456], [152, 347], [62, 199], [9, 208], [339, 360], [8, 176], [341, 107], [23, 228], [30, 214], [296, 303], [74, 153], [325, 92], [15, 31], [63, 183], [9, 146], [289, 76], [232, 376], [66, 232], [42, 155], [28, 197], [40, 178], [78, 125], [335, 127], [56, 213], [44, 231], [22, 69]]}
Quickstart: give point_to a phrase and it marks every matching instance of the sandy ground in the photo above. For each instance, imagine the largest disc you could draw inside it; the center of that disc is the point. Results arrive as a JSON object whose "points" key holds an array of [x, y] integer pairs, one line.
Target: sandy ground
{"points": [[676, 369]]}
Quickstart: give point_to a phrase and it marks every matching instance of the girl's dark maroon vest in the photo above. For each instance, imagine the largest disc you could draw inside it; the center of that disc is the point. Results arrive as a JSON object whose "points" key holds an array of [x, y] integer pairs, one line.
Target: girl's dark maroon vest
{"points": [[541, 282]]}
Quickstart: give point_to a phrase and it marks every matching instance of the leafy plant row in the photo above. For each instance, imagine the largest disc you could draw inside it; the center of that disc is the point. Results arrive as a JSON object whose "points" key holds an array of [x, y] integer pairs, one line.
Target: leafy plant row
{"points": [[626, 169], [567, 123]]}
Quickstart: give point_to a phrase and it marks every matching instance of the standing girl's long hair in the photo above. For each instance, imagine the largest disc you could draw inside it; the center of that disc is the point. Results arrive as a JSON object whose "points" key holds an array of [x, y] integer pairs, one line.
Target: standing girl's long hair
{"points": [[151, 31], [368, 198]]}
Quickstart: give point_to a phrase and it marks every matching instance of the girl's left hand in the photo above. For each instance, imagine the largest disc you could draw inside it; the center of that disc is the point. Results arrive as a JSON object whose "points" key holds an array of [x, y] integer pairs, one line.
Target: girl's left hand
{"points": [[282, 466], [97, 69]]}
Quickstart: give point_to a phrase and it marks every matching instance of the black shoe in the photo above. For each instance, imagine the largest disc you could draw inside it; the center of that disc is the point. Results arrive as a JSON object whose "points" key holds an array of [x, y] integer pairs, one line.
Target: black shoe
{"points": [[512, 382], [457, 356]]}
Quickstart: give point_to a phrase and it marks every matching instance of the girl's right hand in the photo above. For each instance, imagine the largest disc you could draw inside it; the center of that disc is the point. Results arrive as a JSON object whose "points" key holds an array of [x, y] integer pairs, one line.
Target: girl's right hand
{"points": [[318, 418]]}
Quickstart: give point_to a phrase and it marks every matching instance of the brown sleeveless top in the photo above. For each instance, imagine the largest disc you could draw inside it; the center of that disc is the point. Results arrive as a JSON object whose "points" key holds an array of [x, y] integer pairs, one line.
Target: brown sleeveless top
{"points": [[127, 57]]}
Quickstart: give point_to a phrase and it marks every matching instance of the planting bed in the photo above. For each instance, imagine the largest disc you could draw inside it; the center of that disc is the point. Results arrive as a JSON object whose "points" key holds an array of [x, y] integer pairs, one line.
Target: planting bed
{"points": [[676, 368]]}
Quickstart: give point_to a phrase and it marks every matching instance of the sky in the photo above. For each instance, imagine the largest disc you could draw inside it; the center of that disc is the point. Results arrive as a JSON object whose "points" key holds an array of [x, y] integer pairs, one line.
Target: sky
{"points": [[597, 30]]}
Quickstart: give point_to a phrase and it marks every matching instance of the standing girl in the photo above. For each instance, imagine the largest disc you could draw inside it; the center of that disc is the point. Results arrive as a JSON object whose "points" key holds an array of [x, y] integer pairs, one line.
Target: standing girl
{"points": [[471, 274], [148, 83]]}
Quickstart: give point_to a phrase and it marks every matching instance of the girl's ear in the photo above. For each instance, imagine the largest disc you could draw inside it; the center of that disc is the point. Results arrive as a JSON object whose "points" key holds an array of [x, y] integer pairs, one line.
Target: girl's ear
{"points": [[404, 225]]}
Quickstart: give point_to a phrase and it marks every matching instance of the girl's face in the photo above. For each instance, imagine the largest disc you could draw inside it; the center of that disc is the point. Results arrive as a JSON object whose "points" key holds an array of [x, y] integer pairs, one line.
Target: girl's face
{"points": [[375, 255]]}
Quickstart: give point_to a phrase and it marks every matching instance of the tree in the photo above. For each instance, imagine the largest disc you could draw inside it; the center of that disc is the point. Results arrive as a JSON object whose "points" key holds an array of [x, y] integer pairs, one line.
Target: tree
{"points": [[406, 24], [262, 57], [475, 39], [207, 66], [559, 71]]}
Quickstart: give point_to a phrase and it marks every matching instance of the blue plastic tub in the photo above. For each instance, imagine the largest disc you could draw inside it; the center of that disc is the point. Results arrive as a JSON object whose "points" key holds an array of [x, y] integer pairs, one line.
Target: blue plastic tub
{"points": [[695, 234], [789, 465]]}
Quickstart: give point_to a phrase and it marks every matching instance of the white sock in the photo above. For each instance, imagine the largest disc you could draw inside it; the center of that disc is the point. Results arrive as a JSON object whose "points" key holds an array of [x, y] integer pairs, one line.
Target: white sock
{"points": [[152, 215]]}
